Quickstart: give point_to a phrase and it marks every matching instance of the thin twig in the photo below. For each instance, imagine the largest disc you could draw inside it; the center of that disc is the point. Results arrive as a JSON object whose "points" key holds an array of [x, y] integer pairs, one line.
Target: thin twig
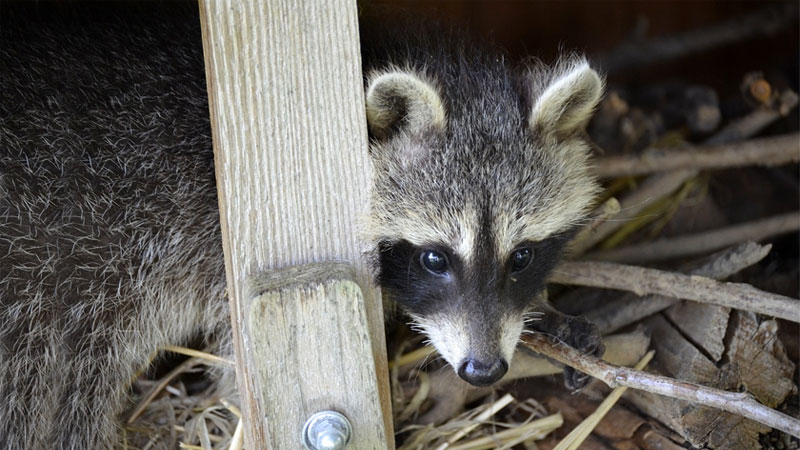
{"points": [[608, 209], [412, 357], [142, 404], [238, 437], [771, 151], [575, 438], [660, 185], [630, 308], [740, 403], [700, 243], [644, 281], [653, 189], [197, 354], [755, 121], [482, 417], [534, 430]]}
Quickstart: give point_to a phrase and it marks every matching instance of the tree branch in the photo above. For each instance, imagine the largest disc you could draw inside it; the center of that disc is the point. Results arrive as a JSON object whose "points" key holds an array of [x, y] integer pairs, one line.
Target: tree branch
{"points": [[771, 151], [700, 243], [652, 189], [629, 308], [644, 281], [740, 403]]}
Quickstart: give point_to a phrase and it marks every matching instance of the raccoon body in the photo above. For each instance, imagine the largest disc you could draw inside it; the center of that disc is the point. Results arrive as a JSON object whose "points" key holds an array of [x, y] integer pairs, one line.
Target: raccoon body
{"points": [[109, 232]]}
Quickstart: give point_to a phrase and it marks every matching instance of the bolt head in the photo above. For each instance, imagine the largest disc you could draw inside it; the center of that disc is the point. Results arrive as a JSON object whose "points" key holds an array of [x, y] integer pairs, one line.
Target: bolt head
{"points": [[327, 430], [331, 440]]}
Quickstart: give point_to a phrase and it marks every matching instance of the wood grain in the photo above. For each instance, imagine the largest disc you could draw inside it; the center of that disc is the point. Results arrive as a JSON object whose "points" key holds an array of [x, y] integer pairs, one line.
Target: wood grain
{"points": [[305, 366], [290, 145]]}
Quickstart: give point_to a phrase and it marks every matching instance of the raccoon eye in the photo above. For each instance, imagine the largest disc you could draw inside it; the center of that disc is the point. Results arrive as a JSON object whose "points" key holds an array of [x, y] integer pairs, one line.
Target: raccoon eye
{"points": [[434, 261], [520, 259]]}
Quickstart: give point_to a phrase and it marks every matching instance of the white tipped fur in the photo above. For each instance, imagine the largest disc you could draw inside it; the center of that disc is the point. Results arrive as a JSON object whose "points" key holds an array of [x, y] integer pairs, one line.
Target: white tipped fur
{"points": [[567, 102], [565, 203], [535, 184], [466, 245], [448, 334], [510, 330], [403, 95], [563, 97], [426, 227]]}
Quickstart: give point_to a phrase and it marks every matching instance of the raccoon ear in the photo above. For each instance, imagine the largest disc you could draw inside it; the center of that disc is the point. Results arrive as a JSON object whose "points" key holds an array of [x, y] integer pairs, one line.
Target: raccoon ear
{"points": [[402, 101], [566, 103]]}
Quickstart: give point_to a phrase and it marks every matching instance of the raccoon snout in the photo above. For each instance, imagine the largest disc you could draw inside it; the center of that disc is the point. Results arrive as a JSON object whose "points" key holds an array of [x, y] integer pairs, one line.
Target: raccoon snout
{"points": [[482, 373]]}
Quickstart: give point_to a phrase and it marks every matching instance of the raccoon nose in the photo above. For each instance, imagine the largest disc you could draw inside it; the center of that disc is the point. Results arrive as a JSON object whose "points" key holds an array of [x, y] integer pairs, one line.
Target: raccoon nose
{"points": [[482, 373]]}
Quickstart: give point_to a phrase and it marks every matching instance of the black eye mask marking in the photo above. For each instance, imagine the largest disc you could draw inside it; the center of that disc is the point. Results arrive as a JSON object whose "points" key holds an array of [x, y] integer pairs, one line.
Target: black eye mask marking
{"points": [[426, 279], [418, 278], [526, 273]]}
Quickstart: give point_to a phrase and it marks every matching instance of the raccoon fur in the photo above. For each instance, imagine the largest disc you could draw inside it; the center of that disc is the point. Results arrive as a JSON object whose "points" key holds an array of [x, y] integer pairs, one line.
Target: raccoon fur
{"points": [[110, 243], [109, 226], [481, 177]]}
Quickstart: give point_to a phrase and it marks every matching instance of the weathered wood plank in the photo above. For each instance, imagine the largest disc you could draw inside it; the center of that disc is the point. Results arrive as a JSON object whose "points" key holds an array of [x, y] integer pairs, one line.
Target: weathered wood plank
{"points": [[313, 366], [287, 116]]}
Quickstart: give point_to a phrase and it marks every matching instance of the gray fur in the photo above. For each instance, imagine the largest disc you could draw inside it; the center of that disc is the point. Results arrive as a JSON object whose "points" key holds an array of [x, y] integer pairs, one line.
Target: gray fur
{"points": [[109, 232], [109, 235], [398, 95]]}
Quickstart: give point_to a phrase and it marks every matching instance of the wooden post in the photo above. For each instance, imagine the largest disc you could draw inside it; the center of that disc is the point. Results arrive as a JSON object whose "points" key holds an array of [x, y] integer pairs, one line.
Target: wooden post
{"points": [[308, 329], [290, 144]]}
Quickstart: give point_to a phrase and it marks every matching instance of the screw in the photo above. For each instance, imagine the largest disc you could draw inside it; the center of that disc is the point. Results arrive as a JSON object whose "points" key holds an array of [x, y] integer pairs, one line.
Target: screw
{"points": [[327, 430]]}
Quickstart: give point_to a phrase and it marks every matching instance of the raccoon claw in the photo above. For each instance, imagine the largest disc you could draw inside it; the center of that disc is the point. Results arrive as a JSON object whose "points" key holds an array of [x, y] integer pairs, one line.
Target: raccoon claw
{"points": [[575, 380]]}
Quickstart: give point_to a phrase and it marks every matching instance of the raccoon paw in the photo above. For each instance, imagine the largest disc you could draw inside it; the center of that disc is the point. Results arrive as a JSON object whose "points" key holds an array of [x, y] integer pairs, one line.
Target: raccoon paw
{"points": [[583, 336]]}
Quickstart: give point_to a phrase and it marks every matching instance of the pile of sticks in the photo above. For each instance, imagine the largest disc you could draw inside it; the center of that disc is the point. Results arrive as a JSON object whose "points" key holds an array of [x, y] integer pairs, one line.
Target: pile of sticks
{"points": [[723, 363]]}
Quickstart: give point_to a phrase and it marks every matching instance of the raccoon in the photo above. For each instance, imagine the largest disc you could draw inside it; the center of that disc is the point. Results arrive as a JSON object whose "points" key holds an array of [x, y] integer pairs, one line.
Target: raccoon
{"points": [[110, 244], [481, 177]]}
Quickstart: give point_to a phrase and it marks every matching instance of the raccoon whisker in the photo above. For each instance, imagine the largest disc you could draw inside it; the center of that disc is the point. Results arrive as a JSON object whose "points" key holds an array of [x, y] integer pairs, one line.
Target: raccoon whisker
{"points": [[408, 269], [638, 205], [523, 333], [416, 326], [629, 219], [428, 360], [422, 364], [532, 332], [531, 316]]}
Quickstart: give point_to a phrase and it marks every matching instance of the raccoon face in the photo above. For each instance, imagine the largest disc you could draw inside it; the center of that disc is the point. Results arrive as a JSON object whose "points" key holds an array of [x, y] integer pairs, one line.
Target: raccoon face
{"points": [[479, 182]]}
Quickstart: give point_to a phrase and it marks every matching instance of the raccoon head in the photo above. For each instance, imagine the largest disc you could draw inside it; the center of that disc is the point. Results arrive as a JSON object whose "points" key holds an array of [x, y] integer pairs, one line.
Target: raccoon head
{"points": [[480, 177]]}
